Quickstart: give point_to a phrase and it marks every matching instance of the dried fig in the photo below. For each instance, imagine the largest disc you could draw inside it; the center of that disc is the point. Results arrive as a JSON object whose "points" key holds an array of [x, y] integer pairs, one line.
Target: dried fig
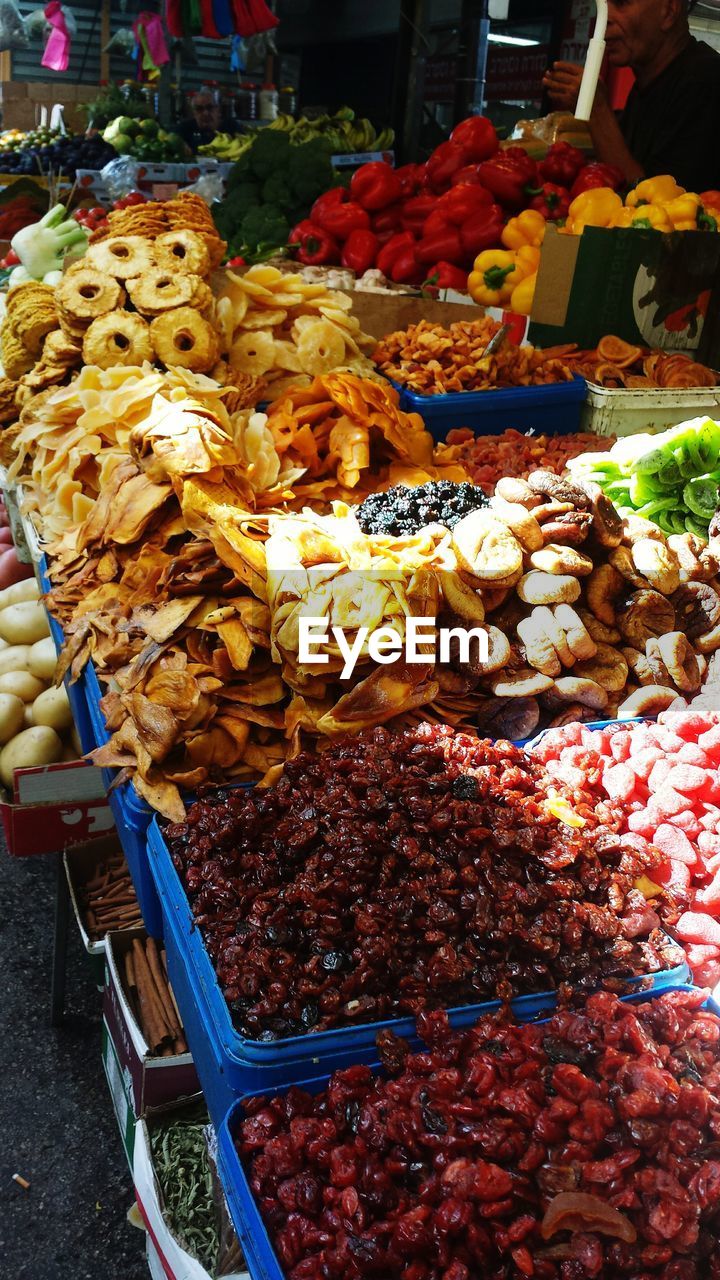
{"points": [[539, 648], [579, 640], [570, 528], [574, 689], [608, 668], [463, 601], [524, 683], [555, 558], [635, 527], [571, 715], [521, 521], [551, 510], [658, 565], [515, 490], [648, 701], [709, 642], [485, 546], [697, 608], [644, 614], [679, 657], [597, 629], [607, 521], [512, 718], [655, 664], [602, 591], [687, 547], [499, 654], [537, 587], [621, 559], [559, 488], [455, 682]]}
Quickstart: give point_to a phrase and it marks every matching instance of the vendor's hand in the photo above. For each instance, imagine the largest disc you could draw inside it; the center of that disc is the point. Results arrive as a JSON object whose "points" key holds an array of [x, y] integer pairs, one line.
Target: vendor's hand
{"points": [[562, 82]]}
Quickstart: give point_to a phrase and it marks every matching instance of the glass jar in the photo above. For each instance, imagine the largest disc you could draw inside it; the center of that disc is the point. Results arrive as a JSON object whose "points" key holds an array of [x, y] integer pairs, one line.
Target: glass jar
{"points": [[268, 102]]}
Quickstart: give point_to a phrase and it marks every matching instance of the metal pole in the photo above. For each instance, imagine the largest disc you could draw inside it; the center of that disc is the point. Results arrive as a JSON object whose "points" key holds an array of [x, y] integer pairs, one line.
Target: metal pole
{"points": [[410, 75], [472, 59]]}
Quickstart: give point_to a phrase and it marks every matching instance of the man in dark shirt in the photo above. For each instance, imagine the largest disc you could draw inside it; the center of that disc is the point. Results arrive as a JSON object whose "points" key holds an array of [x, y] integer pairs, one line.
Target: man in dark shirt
{"points": [[671, 122]]}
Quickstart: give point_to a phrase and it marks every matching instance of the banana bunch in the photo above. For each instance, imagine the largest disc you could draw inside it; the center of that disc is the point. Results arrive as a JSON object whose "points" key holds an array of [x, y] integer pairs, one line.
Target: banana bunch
{"points": [[227, 147], [342, 131]]}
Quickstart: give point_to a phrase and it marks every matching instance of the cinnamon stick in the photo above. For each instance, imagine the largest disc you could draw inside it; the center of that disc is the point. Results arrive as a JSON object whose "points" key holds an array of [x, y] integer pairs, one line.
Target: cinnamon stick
{"points": [[151, 951], [131, 984], [151, 1016]]}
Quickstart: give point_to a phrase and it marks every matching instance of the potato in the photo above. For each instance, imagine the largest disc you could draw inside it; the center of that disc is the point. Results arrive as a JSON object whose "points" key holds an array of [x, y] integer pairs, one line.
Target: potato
{"points": [[28, 718], [27, 750], [14, 657], [22, 684], [51, 707], [12, 710], [28, 589], [42, 659], [24, 623]]}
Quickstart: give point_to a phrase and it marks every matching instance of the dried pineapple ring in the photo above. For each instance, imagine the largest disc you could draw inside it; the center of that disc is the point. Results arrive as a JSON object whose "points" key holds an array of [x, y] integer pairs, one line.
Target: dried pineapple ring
{"points": [[122, 257], [182, 337], [182, 250], [118, 338], [84, 293], [158, 290], [253, 352], [320, 348]]}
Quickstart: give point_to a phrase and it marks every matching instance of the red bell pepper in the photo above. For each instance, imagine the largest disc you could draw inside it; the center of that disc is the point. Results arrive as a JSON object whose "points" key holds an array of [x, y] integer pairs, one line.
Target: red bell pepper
{"points": [[340, 220], [396, 245], [562, 164], [406, 269], [375, 185], [443, 163], [482, 231], [444, 275], [441, 245], [360, 251], [388, 220], [462, 202], [508, 175], [469, 174], [477, 137], [328, 200], [416, 212], [436, 223], [597, 175], [552, 201], [409, 179], [314, 246]]}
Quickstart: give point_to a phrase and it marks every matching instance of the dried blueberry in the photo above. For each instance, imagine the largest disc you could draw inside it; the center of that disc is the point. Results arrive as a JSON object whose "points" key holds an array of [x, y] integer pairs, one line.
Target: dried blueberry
{"points": [[465, 787]]}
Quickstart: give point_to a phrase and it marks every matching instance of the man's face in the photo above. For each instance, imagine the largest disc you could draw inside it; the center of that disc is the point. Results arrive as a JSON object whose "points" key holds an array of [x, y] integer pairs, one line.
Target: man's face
{"points": [[636, 30], [206, 113]]}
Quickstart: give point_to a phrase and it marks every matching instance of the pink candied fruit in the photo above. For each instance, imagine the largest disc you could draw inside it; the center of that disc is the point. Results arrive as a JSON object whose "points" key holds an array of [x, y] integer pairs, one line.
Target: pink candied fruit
{"points": [[696, 926], [674, 844], [688, 778], [619, 782]]}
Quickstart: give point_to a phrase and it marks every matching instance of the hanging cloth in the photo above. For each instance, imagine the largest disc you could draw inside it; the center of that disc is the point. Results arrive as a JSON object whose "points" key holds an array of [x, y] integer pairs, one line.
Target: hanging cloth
{"points": [[56, 56], [209, 30], [262, 17], [150, 36], [222, 15], [173, 18]]}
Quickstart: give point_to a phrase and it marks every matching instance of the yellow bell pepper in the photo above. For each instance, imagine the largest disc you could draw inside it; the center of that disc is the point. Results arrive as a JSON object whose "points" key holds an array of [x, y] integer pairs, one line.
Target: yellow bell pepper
{"points": [[527, 228], [652, 217], [622, 218], [654, 191], [493, 277], [595, 208], [527, 260], [683, 211], [522, 296]]}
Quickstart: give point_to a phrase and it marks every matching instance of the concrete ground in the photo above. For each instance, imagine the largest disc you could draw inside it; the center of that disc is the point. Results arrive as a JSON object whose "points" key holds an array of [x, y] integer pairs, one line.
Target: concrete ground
{"points": [[57, 1124]]}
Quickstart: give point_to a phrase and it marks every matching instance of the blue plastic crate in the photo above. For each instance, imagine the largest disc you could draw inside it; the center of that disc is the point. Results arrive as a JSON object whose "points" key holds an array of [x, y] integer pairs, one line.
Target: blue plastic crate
{"points": [[132, 817], [76, 692], [262, 1261], [552, 409], [229, 1063]]}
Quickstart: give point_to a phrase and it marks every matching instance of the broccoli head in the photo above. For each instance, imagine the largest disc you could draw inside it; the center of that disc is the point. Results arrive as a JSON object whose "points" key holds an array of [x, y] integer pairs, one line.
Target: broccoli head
{"points": [[269, 153], [228, 213], [264, 225], [310, 171], [276, 191]]}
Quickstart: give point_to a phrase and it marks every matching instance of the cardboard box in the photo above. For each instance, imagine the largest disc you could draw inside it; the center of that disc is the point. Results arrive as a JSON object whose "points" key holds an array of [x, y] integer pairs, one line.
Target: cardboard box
{"points": [[119, 1094], [150, 1081], [383, 313], [54, 806], [12, 91], [166, 1258], [649, 288], [81, 862]]}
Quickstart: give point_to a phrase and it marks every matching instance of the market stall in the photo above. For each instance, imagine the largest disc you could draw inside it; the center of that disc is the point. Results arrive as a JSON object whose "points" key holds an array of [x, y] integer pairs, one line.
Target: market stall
{"points": [[363, 666]]}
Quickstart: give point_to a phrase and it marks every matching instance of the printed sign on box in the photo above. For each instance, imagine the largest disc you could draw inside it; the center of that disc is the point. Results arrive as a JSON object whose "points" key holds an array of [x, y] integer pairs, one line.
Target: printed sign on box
{"points": [[651, 289]]}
